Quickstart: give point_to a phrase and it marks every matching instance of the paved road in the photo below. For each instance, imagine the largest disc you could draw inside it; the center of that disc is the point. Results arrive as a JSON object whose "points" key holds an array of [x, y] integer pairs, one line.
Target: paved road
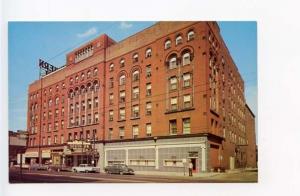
{"points": [[69, 177]]}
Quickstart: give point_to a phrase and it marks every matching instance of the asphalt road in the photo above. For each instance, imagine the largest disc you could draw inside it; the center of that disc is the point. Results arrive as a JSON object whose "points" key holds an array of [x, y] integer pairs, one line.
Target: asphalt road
{"points": [[69, 177]]}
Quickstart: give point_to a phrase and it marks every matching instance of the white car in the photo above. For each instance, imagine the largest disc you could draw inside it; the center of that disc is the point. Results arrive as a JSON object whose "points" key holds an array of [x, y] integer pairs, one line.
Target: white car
{"points": [[86, 168]]}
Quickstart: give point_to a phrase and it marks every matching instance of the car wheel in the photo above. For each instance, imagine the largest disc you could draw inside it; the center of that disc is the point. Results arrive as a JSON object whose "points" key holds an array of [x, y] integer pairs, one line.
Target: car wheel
{"points": [[75, 170]]}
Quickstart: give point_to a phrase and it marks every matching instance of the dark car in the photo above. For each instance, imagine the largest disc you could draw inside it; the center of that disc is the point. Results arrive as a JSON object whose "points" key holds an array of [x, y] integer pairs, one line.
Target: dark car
{"points": [[118, 169]]}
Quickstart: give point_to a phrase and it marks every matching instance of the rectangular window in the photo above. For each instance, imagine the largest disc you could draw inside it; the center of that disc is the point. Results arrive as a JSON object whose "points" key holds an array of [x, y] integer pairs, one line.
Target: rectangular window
{"points": [[148, 129], [111, 115], [89, 119], [174, 103], [111, 82], [111, 99], [135, 93], [135, 131], [187, 101], [186, 124], [148, 71], [173, 127], [83, 120], [135, 111], [148, 108], [89, 104], [148, 89], [121, 132], [122, 114], [173, 83], [186, 80], [49, 140], [44, 141], [55, 139], [62, 139], [122, 96], [70, 137], [96, 102], [110, 133], [49, 127]]}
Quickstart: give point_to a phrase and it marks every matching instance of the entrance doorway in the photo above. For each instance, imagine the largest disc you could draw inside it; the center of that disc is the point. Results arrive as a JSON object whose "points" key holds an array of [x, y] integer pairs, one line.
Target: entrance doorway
{"points": [[194, 162]]}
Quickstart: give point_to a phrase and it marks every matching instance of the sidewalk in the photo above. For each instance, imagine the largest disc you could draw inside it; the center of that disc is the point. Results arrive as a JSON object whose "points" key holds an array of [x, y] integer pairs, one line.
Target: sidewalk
{"points": [[176, 174]]}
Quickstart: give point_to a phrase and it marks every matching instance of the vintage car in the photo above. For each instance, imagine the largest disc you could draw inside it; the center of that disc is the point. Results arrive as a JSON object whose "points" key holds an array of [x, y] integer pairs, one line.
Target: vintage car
{"points": [[118, 169], [86, 168]]}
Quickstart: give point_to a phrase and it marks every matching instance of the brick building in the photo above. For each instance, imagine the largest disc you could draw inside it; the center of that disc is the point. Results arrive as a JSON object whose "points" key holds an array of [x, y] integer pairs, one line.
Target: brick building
{"points": [[17, 142], [154, 101]]}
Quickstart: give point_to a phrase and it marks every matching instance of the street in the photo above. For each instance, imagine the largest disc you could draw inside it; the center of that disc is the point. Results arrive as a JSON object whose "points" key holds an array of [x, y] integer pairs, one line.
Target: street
{"points": [[69, 177]]}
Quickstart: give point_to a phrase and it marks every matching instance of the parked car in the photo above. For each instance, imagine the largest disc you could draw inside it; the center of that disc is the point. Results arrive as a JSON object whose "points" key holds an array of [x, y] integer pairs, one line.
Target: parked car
{"points": [[118, 169], [59, 168], [38, 167], [86, 168]]}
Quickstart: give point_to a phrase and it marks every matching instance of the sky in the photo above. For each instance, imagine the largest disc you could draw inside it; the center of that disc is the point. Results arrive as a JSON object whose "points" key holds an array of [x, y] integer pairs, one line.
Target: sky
{"points": [[29, 41]]}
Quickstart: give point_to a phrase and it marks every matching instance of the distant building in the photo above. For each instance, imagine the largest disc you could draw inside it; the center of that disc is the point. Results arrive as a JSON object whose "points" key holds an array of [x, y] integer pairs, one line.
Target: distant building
{"points": [[17, 145], [156, 100]]}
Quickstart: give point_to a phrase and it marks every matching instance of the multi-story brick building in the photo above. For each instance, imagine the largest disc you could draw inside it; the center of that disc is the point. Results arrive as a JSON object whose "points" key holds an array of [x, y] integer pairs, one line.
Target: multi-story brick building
{"points": [[155, 100]]}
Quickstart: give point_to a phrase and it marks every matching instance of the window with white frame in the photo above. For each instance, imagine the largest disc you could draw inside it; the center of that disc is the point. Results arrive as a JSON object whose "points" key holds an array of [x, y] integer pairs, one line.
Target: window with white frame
{"points": [[96, 117], [110, 133], [178, 40], [135, 75], [148, 71], [173, 127], [121, 132], [186, 124], [148, 129], [44, 141], [148, 108], [89, 119], [167, 44], [62, 139], [135, 131], [50, 102], [55, 139], [148, 89], [135, 93], [148, 52], [82, 76], [111, 115], [111, 67], [122, 114], [187, 102], [135, 58], [186, 58], [62, 124], [135, 111], [186, 79], [88, 74], [95, 72], [122, 62], [111, 98], [173, 103], [191, 35], [49, 140], [122, 79], [122, 96], [173, 83], [83, 120], [173, 62]]}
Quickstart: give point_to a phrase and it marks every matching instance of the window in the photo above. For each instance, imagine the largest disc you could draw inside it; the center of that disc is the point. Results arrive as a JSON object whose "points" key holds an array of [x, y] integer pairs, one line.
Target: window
{"points": [[111, 67], [70, 137], [77, 121], [88, 74], [83, 120], [122, 114], [122, 96], [135, 131], [173, 62], [96, 116], [82, 76], [186, 124], [148, 108], [148, 71], [174, 103], [186, 79], [148, 89], [50, 90], [44, 141], [111, 98], [44, 115], [135, 76], [178, 40], [186, 58], [173, 127], [56, 112], [111, 115], [168, 44], [56, 126], [55, 139], [187, 101], [148, 52], [122, 80], [49, 127], [122, 62], [77, 106], [96, 102], [49, 140], [95, 72], [191, 35], [110, 133], [62, 139], [83, 105], [89, 119], [135, 93], [76, 79], [62, 124], [89, 103], [111, 82], [148, 129], [57, 88], [173, 83], [135, 111], [75, 136], [71, 121], [135, 58], [87, 134], [121, 132], [50, 102]]}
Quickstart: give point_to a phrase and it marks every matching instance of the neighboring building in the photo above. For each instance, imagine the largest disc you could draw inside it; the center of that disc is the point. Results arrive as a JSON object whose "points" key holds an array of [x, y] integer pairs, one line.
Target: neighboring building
{"points": [[17, 145], [166, 95], [251, 138]]}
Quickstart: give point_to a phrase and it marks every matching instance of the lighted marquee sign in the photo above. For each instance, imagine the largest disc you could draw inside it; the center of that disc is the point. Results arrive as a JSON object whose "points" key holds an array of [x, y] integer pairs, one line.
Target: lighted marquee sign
{"points": [[47, 67]]}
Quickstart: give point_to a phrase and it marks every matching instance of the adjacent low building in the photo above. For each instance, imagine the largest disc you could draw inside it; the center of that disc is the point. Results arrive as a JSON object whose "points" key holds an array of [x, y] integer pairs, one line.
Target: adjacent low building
{"points": [[17, 145], [163, 97]]}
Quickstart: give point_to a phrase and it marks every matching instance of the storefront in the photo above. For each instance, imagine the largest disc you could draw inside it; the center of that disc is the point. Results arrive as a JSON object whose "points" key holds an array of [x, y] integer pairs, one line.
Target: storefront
{"points": [[31, 157]]}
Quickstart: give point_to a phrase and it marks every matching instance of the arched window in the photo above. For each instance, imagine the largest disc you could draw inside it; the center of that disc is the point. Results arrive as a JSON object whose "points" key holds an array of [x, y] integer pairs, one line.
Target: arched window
{"points": [[173, 62], [50, 102], [56, 100], [82, 76], [148, 53], [89, 74], [122, 62], [76, 91], [111, 67], [135, 58], [89, 86], [82, 89], [96, 85], [95, 71], [71, 94], [191, 35], [76, 78], [186, 58], [167, 44], [178, 40], [122, 80], [135, 75]]}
